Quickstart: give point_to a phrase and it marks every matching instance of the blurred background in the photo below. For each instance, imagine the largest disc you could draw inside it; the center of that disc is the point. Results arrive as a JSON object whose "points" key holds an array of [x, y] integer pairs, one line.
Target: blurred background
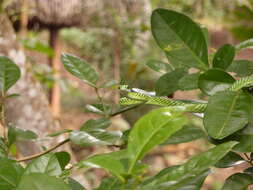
{"points": [[113, 36]]}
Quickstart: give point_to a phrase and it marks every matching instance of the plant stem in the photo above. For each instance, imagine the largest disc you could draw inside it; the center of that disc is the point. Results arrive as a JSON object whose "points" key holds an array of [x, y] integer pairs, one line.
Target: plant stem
{"points": [[2, 121], [126, 109], [101, 101], [44, 152], [246, 155]]}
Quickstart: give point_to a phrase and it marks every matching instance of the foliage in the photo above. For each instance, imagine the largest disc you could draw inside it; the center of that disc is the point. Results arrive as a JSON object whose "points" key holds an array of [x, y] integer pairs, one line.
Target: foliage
{"points": [[227, 119]]}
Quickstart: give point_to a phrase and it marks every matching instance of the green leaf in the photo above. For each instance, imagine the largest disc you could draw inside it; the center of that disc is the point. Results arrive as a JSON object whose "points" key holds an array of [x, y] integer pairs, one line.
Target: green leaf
{"points": [[227, 112], [231, 159], [151, 130], [186, 134], [80, 69], [248, 171], [95, 137], [189, 82], [243, 136], [16, 134], [9, 73], [238, 181], [159, 66], [47, 164], [111, 184], [193, 182], [214, 80], [245, 44], [245, 143], [63, 159], [224, 57], [39, 181], [110, 84], [206, 34], [182, 39], [75, 185], [168, 83], [242, 68], [101, 123], [3, 148], [35, 45], [12, 96], [10, 173], [57, 133], [193, 167], [112, 162], [100, 109]]}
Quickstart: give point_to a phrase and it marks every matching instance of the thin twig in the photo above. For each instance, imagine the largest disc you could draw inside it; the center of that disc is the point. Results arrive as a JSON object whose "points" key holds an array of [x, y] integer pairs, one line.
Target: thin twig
{"points": [[44, 152], [246, 155], [3, 117], [126, 109], [101, 100]]}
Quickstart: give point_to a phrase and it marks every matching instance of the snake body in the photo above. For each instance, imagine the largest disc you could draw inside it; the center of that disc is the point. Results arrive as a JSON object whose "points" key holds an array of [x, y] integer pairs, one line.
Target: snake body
{"points": [[137, 98]]}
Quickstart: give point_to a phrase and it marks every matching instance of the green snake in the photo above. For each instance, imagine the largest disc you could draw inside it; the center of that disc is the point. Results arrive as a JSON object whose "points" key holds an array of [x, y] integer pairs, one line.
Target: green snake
{"points": [[138, 98]]}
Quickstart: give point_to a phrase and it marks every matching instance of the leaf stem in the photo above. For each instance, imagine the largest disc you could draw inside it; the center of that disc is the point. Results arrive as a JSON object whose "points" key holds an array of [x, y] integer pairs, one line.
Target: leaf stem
{"points": [[246, 155], [126, 109], [101, 101], [44, 152], [2, 120]]}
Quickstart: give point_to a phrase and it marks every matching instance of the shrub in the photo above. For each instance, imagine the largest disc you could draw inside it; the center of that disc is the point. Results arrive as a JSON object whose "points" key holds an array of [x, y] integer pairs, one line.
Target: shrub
{"points": [[226, 117]]}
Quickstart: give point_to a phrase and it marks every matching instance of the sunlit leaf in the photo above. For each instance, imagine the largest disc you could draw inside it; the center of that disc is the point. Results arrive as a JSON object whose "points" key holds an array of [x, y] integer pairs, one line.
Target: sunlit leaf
{"points": [[151, 130], [40, 181], [80, 69], [227, 112], [182, 39], [9, 73]]}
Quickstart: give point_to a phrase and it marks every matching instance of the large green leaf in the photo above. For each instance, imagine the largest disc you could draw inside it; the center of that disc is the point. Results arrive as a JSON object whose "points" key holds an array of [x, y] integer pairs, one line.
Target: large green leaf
{"points": [[193, 182], [101, 123], [182, 39], [242, 68], [205, 31], [159, 66], [244, 137], [63, 159], [227, 112], [231, 159], [186, 134], [47, 164], [39, 181], [245, 143], [3, 148], [214, 80], [224, 57], [94, 137], [10, 173], [80, 69], [112, 162], [168, 83], [75, 185], [197, 165], [151, 130], [238, 181], [16, 134], [9, 73], [189, 82], [111, 184]]}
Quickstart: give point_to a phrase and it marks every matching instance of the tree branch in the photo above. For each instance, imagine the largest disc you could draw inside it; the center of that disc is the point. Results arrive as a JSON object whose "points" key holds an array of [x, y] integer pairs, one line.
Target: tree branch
{"points": [[44, 152]]}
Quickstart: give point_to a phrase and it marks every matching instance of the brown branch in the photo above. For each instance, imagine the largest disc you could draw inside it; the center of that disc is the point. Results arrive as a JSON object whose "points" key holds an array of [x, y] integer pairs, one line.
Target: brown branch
{"points": [[127, 109], [44, 152]]}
